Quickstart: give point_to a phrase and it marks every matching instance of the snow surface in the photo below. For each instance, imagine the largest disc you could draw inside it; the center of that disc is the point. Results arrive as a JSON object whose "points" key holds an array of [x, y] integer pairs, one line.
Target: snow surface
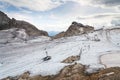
{"points": [[111, 60], [12, 35], [19, 57]]}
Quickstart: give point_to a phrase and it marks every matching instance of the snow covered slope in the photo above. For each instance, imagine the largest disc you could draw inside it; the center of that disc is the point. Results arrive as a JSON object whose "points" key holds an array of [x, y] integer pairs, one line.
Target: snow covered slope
{"points": [[16, 58], [12, 35]]}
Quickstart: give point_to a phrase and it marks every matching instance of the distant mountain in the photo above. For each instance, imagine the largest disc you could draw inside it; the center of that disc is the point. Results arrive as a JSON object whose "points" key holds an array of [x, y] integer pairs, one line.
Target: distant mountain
{"points": [[75, 29], [31, 30]]}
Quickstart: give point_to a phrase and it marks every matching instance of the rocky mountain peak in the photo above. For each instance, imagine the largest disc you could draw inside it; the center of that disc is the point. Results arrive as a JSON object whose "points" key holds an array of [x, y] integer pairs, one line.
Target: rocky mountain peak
{"points": [[31, 30], [78, 28], [76, 24], [3, 14], [4, 20], [75, 29]]}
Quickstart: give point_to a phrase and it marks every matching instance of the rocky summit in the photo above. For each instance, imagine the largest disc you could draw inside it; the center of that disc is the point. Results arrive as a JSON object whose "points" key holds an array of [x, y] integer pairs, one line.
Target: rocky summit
{"points": [[78, 28], [31, 30], [75, 29]]}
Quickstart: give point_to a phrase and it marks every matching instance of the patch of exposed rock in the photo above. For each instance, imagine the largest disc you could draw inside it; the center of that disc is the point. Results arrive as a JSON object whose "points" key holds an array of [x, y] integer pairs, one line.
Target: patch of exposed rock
{"points": [[75, 29], [78, 28], [112, 73], [72, 72], [31, 30], [71, 59], [24, 76], [61, 34]]}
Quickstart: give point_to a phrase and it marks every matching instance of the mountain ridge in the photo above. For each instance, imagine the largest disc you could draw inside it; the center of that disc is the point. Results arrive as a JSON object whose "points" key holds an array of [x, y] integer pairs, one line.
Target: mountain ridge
{"points": [[31, 30]]}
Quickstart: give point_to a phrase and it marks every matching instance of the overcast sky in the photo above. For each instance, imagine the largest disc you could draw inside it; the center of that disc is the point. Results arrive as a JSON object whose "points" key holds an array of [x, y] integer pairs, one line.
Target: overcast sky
{"points": [[57, 15]]}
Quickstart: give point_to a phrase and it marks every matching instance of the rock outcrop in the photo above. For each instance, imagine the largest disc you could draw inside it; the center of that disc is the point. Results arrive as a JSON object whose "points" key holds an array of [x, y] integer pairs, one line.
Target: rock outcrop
{"points": [[72, 72], [31, 30], [78, 28], [112, 73], [75, 29], [71, 59]]}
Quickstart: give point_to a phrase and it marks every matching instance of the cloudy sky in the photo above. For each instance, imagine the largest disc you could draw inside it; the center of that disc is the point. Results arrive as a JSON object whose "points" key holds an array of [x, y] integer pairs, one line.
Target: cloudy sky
{"points": [[57, 15]]}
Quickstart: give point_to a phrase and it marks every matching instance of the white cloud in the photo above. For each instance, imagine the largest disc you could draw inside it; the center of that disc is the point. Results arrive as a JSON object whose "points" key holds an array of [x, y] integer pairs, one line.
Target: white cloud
{"points": [[107, 2], [2, 6], [115, 22], [39, 23], [55, 27], [118, 8], [101, 15], [26, 17], [37, 5], [99, 3], [100, 20], [53, 16], [44, 5], [19, 16], [84, 9]]}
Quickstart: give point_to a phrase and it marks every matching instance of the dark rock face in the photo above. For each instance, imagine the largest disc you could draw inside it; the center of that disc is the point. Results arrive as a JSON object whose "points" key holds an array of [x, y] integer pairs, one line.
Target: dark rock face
{"points": [[4, 21], [31, 30], [75, 29]]}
